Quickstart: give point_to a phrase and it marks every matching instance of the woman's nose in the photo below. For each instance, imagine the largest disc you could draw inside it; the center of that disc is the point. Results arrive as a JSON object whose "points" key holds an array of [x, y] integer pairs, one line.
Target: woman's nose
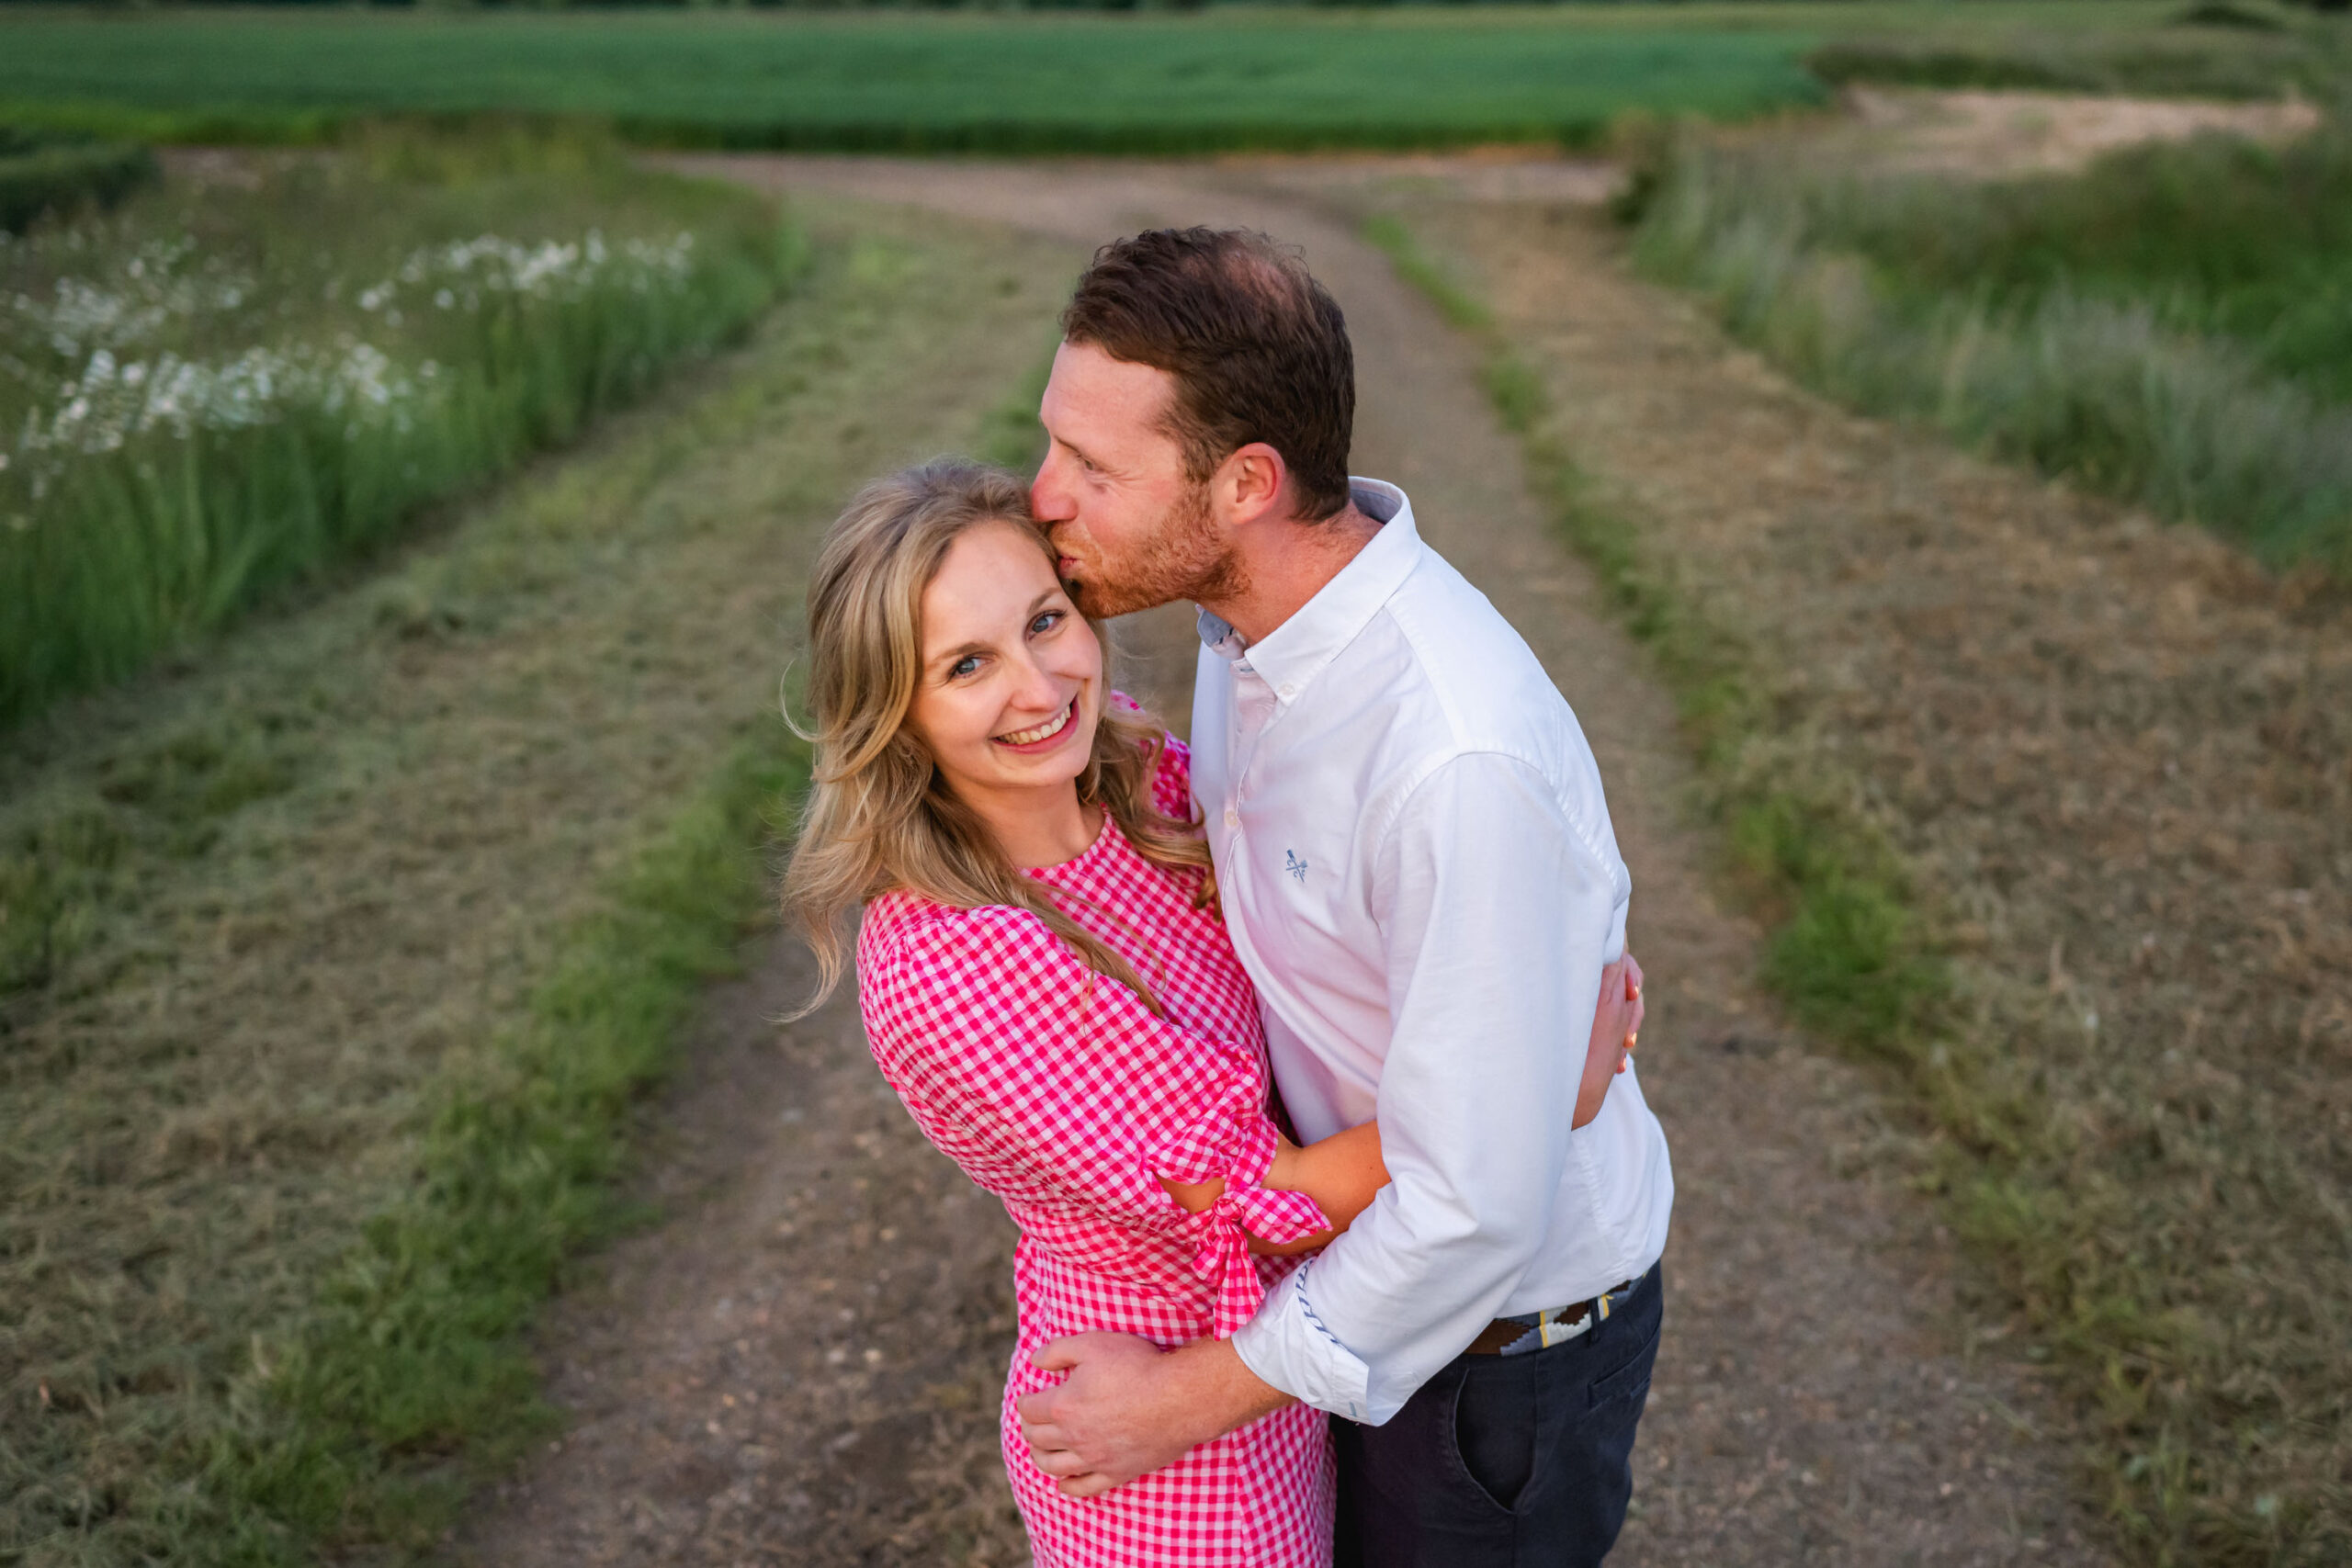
{"points": [[1034, 686]]}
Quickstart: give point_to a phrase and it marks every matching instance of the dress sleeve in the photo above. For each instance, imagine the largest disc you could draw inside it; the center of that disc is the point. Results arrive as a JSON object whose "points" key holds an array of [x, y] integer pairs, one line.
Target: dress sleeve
{"points": [[1053, 1086]]}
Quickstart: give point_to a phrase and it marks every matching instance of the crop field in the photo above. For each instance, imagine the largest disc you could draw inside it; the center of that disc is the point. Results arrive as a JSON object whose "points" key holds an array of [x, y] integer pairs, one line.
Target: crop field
{"points": [[1036, 83], [917, 84]]}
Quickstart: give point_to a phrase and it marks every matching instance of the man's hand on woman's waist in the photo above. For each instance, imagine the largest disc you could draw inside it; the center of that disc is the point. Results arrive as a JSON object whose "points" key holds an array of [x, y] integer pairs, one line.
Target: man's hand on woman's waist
{"points": [[1128, 1407]]}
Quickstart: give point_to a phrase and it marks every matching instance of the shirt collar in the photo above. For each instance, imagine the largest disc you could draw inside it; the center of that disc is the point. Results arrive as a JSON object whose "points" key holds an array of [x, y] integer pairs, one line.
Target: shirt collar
{"points": [[1292, 653]]}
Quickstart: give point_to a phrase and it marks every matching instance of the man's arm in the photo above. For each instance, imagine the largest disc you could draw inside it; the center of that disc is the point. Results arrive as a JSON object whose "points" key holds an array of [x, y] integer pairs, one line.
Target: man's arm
{"points": [[1345, 1172], [1498, 913]]}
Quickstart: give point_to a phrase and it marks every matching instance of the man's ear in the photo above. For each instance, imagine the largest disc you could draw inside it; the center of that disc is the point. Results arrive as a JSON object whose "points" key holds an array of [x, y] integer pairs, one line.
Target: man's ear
{"points": [[1249, 483]]}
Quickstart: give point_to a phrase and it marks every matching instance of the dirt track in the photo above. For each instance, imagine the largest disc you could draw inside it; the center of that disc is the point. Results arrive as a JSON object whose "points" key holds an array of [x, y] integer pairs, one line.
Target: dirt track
{"points": [[799, 1365]]}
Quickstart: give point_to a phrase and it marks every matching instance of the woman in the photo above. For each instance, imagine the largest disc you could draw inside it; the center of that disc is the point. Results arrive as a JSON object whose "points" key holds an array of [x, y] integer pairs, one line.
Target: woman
{"points": [[1046, 983]]}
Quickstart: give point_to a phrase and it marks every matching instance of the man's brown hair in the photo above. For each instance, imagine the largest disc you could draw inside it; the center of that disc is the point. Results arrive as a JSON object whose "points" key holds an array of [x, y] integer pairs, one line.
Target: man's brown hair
{"points": [[1257, 349]]}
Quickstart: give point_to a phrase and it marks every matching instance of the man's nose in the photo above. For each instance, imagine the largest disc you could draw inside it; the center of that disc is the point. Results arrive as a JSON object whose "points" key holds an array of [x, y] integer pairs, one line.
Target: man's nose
{"points": [[1049, 498]]}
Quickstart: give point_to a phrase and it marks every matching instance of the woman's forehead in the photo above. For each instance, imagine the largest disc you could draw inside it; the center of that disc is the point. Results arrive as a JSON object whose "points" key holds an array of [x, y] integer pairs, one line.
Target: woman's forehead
{"points": [[992, 575]]}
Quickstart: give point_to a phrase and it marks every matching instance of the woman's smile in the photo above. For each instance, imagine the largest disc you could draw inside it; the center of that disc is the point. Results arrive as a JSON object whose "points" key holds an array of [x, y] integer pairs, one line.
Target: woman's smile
{"points": [[1036, 738]]}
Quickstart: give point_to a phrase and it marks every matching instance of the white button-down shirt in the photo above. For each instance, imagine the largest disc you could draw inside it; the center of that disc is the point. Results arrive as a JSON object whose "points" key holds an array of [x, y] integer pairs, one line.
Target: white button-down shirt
{"points": [[1417, 866]]}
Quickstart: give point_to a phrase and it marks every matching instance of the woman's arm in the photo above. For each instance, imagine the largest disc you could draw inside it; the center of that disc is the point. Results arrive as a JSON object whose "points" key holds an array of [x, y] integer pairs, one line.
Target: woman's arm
{"points": [[1342, 1173], [1345, 1172]]}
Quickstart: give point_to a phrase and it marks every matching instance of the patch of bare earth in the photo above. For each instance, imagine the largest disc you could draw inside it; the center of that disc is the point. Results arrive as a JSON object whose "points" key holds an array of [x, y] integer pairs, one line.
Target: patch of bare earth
{"points": [[1997, 135], [798, 1364]]}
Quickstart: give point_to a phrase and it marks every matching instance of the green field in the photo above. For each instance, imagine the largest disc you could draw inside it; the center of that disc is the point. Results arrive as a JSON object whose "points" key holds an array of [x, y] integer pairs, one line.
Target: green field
{"points": [[1023, 82]]}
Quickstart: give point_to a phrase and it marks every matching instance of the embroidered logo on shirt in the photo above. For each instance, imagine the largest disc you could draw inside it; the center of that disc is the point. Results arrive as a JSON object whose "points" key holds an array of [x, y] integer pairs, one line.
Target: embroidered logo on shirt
{"points": [[1296, 866]]}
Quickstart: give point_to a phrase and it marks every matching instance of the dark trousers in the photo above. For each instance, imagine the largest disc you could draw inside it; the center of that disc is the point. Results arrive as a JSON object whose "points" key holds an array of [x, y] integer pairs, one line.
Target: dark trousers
{"points": [[1504, 1462]]}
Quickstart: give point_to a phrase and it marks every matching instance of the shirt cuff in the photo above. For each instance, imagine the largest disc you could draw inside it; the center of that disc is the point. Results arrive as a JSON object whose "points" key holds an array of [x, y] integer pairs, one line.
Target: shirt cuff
{"points": [[1288, 1347]]}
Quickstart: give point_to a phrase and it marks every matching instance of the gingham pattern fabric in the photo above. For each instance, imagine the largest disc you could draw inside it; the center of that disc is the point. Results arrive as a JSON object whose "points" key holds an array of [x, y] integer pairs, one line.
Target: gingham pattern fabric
{"points": [[1057, 1090]]}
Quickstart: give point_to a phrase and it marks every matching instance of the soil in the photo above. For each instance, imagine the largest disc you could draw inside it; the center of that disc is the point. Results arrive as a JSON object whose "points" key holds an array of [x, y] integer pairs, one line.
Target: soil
{"points": [[1991, 135], [800, 1362]]}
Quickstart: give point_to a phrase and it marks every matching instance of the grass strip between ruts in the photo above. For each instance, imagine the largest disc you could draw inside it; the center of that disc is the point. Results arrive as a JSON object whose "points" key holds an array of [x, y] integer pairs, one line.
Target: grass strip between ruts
{"points": [[413, 1380]]}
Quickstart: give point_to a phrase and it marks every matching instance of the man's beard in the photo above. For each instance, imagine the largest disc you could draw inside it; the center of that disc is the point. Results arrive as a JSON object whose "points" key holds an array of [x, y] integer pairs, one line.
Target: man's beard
{"points": [[1182, 558]]}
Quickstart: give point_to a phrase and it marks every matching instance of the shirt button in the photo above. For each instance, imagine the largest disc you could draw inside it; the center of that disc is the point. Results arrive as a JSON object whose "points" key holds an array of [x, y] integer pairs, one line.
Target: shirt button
{"points": [[1232, 817], [1289, 691]]}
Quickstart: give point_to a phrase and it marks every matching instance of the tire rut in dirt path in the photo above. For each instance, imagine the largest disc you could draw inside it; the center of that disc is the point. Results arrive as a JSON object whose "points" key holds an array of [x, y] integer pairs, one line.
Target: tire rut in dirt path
{"points": [[799, 1366]]}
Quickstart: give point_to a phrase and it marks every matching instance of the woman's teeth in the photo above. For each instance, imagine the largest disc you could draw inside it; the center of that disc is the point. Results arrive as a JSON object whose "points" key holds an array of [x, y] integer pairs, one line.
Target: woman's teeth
{"points": [[1044, 731]]}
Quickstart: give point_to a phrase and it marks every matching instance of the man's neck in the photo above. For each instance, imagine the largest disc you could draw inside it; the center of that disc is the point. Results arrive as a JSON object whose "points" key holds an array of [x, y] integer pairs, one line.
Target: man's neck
{"points": [[1287, 564]]}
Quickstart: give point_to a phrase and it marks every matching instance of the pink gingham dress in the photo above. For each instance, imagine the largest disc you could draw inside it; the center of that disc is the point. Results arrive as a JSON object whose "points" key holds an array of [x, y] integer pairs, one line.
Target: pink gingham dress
{"points": [[1057, 1090]]}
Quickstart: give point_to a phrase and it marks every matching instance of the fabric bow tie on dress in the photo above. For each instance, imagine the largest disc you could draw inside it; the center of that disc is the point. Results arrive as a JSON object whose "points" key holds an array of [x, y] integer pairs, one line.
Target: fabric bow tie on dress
{"points": [[1221, 1236], [1236, 1143]]}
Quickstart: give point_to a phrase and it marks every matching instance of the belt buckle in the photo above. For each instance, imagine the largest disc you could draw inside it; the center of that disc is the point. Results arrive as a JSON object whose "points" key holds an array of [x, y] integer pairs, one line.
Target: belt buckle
{"points": [[1553, 1325]]}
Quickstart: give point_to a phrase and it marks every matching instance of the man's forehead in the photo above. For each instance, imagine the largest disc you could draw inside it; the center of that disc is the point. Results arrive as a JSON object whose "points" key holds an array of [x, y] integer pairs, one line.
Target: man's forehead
{"points": [[1090, 386]]}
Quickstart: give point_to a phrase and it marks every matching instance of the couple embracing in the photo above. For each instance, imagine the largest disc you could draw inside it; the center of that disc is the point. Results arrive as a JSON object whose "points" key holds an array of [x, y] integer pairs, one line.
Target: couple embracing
{"points": [[1298, 1052]]}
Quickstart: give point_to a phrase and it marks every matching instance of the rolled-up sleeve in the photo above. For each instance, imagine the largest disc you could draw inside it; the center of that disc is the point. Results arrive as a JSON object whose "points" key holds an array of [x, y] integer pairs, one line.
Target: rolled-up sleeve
{"points": [[1498, 913]]}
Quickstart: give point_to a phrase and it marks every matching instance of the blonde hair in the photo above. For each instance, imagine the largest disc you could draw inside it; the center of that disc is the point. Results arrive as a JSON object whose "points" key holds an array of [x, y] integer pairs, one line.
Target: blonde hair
{"points": [[880, 815]]}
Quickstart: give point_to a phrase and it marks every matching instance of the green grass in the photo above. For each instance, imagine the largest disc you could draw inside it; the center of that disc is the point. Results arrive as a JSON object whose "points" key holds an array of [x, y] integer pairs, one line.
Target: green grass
{"points": [[1394, 238], [2173, 327], [223, 388], [1020, 83]]}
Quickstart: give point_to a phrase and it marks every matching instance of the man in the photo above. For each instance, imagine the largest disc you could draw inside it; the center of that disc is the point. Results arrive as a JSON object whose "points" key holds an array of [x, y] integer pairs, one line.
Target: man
{"points": [[1416, 864]]}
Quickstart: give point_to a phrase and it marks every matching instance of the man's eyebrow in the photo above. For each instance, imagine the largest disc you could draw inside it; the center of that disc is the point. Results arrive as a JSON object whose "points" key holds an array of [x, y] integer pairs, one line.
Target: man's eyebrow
{"points": [[1075, 450]]}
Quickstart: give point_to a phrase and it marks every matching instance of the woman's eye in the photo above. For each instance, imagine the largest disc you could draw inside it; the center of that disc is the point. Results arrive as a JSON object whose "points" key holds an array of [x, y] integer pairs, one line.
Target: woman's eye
{"points": [[1045, 623], [968, 665]]}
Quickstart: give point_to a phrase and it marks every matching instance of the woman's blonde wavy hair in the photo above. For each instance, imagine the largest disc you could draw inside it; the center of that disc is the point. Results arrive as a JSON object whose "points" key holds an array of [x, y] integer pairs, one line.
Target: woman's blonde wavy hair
{"points": [[880, 817]]}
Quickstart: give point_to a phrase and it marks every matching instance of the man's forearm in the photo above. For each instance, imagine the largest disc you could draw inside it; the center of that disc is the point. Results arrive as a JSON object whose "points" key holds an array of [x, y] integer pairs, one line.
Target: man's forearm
{"points": [[1211, 1378]]}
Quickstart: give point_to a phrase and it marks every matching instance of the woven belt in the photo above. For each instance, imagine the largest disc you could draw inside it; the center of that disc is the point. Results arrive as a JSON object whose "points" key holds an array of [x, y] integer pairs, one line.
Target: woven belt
{"points": [[1553, 1325]]}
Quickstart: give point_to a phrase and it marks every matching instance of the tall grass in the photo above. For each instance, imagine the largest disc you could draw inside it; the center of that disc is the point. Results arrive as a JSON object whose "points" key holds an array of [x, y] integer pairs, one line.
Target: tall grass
{"points": [[2218, 235], [2113, 327], [231, 384]]}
